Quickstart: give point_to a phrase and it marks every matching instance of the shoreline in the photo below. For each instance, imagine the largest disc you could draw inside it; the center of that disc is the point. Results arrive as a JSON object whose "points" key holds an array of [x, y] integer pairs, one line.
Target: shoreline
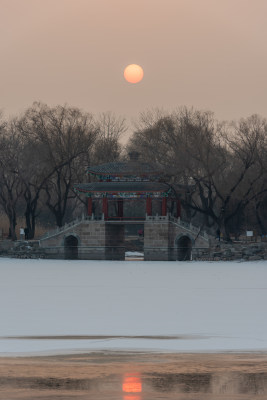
{"points": [[100, 375], [128, 352]]}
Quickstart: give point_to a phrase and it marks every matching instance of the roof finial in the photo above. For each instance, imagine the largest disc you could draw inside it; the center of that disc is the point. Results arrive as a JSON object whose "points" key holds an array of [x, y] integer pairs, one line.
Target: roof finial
{"points": [[133, 155]]}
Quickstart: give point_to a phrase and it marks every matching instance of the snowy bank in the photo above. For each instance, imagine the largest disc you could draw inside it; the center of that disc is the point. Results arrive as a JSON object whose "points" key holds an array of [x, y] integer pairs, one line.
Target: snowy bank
{"points": [[47, 305]]}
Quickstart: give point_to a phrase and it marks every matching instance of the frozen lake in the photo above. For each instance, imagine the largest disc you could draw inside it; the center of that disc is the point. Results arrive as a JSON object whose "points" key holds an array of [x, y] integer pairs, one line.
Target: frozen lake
{"points": [[62, 306]]}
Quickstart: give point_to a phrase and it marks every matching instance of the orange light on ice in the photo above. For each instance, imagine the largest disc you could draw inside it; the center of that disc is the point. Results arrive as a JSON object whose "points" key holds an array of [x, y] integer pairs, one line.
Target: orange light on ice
{"points": [[132, 384]]}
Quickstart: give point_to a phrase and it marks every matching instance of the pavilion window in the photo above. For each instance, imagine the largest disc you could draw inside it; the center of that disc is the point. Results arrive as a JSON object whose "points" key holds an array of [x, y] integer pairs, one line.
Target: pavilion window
{"points": [[164, 206], [178, 208], [90, 206], [105, 207], [149, 206], [120, 208]]}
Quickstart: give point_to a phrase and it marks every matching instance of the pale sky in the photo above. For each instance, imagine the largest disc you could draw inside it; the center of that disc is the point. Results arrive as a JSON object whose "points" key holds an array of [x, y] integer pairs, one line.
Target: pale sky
{"points": [[209, 54]]}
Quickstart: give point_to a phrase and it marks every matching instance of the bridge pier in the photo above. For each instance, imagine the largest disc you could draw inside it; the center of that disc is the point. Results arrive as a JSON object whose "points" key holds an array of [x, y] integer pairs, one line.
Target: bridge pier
{"points": [[165, 239]]}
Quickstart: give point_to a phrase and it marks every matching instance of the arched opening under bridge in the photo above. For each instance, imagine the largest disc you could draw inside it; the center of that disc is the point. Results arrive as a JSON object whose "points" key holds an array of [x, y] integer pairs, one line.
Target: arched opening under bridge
{"points": [[71, 248], [184, 248]]}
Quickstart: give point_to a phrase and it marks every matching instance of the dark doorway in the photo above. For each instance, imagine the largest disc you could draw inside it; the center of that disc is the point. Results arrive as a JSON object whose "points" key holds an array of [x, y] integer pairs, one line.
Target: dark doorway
{"points": [[114, 242], [71, 248], [184, 249]]}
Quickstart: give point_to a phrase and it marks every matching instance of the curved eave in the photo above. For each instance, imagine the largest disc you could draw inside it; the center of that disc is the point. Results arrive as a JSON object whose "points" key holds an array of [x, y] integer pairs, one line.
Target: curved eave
{"points": [[124, 189], [126, 193], [121, 191]]}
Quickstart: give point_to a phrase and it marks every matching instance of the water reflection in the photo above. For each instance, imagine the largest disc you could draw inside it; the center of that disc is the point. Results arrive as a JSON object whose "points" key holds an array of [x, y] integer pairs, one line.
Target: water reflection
{"points": [[188, 385], [132, 387], [131, 397], [147, 385]]}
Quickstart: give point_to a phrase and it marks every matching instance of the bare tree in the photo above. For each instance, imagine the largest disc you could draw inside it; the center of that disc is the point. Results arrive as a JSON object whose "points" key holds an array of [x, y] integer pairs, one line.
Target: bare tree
{"points": [[107, 147], [226, 167], [34, 172], [10, 184], [224, 164], [62, 137]]}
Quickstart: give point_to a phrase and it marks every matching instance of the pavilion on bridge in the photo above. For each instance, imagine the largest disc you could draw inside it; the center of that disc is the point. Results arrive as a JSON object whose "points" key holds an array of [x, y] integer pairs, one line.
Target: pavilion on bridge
{"points": [[128, 191], [121, 198]]}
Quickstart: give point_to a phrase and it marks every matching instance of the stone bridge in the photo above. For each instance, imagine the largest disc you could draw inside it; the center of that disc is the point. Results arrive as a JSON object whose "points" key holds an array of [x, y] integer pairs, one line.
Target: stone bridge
{"points": [[165, 238]]}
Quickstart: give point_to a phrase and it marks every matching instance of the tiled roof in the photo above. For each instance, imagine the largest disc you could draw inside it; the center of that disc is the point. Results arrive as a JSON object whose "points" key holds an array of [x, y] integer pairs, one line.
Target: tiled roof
{"points": [[130, 168], [122, 187]]}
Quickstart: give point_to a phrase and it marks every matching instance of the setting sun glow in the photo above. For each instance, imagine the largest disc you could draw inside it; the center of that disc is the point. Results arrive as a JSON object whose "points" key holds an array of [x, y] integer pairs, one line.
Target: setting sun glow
{"points": [[133, 73], [132, 384]]}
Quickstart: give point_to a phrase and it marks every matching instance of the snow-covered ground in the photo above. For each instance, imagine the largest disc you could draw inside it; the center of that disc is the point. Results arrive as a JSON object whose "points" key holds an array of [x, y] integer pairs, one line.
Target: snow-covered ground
{"points": [[178, 306]]}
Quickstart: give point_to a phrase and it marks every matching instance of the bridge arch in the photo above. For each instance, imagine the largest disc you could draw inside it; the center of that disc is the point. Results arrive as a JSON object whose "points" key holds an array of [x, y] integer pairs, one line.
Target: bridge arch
{"points": [[71, 244], [184, 244]]}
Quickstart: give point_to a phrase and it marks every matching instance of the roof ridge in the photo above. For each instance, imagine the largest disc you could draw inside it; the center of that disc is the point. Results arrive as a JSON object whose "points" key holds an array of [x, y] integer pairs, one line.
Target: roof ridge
{"points": [[131, 167]]}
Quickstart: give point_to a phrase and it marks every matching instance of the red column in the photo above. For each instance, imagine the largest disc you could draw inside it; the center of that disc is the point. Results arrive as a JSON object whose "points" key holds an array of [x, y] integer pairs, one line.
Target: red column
{"points": [[164, 206], [105, 207], [178, 208], [149, 206], [90, 206], [120, 208]]}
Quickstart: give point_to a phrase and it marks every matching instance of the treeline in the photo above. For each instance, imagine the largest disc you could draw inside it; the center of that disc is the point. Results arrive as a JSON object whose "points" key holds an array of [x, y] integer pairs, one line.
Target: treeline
{"points": [[217, 169], [44, 152], [220, 166]]}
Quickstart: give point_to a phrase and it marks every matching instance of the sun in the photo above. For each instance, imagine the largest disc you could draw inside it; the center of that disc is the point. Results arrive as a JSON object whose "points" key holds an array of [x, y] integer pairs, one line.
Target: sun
{"points": [[133, 73]]}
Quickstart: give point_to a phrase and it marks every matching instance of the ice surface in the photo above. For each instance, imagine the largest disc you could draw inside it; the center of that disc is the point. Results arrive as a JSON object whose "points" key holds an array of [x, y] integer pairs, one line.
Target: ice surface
{"points": [[190, 306], [134, 253]]}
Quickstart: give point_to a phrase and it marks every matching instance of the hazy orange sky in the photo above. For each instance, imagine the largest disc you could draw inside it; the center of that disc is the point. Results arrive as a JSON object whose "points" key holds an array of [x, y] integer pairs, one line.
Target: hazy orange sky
{"points": [[210, 54]]}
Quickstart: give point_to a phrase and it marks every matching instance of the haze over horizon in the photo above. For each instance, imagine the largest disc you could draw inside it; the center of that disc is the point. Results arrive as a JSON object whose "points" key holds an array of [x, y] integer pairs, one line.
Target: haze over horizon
{"points": [[207, 54]]}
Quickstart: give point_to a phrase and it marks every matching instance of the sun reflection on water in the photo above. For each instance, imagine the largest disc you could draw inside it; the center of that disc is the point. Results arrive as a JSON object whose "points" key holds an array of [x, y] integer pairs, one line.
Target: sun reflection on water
{"points": [[131, 385]]}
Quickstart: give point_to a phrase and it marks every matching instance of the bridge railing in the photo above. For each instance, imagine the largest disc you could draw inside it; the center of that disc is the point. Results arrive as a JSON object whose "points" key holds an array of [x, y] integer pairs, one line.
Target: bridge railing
{"points": [[190, 227], [161, 218], [76, 221], [177, 221]]}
